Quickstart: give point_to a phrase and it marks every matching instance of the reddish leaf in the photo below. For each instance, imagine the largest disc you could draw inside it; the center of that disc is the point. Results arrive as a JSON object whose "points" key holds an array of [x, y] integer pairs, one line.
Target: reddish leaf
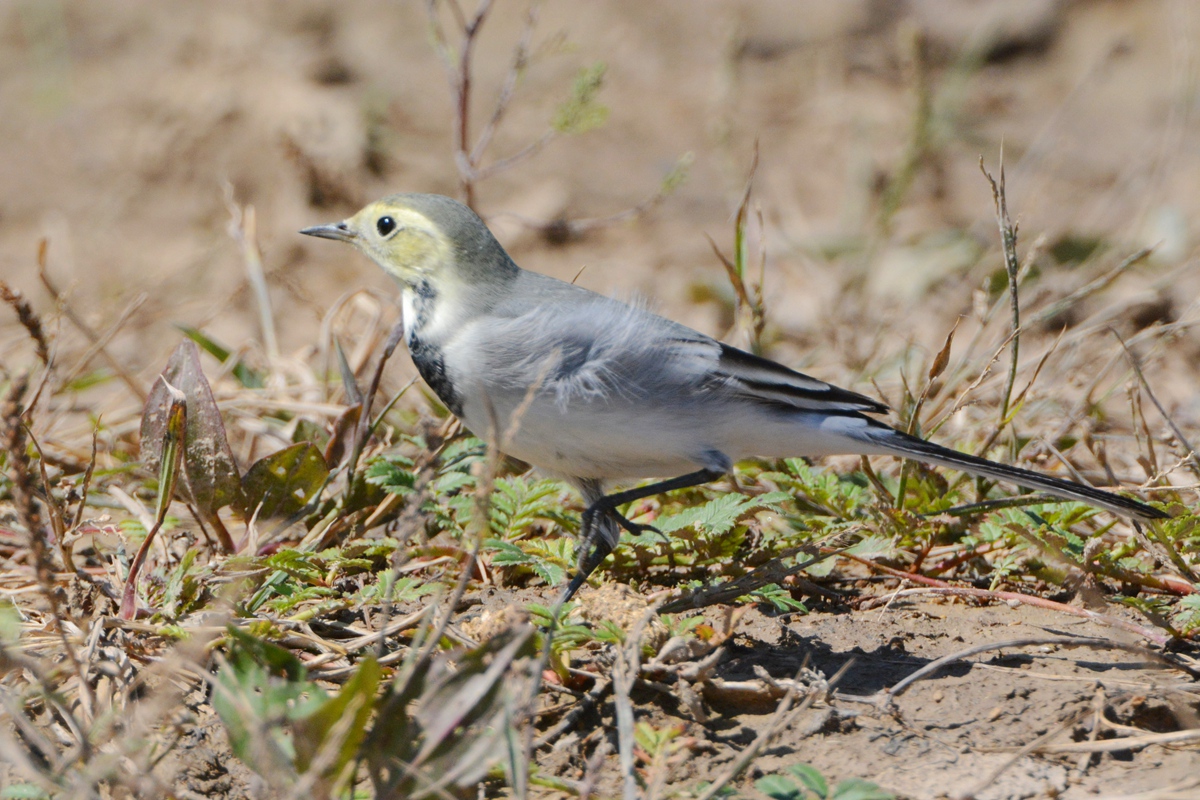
{"points": [[212, 474]]}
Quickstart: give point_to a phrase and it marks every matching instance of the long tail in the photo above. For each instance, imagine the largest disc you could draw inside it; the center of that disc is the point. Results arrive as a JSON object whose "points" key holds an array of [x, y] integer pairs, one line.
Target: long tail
{"points": [[893, 442]]}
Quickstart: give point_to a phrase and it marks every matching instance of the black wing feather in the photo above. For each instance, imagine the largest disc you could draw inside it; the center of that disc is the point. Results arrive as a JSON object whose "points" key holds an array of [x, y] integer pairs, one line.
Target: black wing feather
{"points": [[773, 383]]}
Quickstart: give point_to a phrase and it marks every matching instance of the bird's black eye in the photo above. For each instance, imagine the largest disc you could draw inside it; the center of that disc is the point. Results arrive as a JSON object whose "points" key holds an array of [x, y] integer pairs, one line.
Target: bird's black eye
{"points": [[385, 225]]}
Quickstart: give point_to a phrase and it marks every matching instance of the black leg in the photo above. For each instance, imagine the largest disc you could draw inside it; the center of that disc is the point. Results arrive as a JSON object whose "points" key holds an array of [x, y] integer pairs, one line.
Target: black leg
{"points": [[631, 526], [611, 501], [595, 546]]}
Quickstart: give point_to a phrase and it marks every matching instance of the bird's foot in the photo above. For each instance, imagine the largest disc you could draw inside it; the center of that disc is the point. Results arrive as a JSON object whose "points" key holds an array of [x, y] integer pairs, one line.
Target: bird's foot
{"points": [[635, 528]]}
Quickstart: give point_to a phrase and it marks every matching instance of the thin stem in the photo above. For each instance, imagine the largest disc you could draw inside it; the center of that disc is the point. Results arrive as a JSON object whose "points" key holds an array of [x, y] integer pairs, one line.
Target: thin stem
{"points": [[520, 60], [1012, 265]]}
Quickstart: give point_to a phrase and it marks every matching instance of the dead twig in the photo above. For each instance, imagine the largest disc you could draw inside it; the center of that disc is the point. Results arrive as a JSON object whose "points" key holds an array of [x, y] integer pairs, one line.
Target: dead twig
{"points": [[1012, 265], [1033, 641], [1125, 743], [104, 338], [1036, 744], [933, 586], [625, 672], [28, 319], [459, 73], [12, 427], [587, 702], [243, 228], [779, 720], [1088, 289], [773, 571], [1191, 457]]}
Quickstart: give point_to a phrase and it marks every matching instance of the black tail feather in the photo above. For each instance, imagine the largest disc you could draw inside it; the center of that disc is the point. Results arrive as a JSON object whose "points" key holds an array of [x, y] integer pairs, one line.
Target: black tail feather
{"points": [[901, 444]]}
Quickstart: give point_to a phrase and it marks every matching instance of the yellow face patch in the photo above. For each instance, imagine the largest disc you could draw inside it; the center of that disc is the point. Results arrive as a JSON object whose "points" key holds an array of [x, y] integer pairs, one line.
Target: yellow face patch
{"points": [[405, 243]]}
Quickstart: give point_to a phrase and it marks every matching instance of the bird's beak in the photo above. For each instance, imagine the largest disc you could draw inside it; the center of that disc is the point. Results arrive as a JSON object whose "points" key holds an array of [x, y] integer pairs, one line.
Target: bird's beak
{"points": [[338, 231]]}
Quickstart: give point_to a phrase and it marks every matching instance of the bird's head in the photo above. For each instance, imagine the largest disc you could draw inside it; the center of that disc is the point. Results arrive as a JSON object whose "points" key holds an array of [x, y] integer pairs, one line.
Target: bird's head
{"points": [[423, 238]]}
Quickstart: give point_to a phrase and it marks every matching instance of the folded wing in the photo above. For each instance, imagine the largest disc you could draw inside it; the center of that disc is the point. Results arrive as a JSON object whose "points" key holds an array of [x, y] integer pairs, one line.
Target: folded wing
{"points": [[761, 380]]}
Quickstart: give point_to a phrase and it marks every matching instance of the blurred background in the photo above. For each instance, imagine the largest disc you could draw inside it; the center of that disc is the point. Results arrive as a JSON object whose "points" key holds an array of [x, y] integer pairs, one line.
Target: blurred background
{"points": [[128, 130]]}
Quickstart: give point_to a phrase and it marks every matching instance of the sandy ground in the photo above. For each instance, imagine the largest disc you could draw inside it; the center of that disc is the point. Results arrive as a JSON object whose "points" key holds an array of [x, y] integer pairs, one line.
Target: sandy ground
{"points": [[123, 122]]}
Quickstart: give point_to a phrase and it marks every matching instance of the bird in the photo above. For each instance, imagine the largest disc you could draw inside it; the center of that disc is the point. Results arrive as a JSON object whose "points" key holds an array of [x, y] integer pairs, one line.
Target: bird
{"points": [[600, 392]]}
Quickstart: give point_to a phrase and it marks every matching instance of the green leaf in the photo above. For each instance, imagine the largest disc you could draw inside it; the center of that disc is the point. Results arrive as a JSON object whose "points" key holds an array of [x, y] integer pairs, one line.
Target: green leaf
{"points": [[10, 624], [393, 474], [873, 547], [461, 454], [778, 597], [811, 777], [256, 690], [250, 378], [300, 565], [467, 694], [281, 484], [510, 554], [858, 789], [581, 113], [1187, 613], [519, 504], [720, 514], [444, 721], [166, 420], [308, 431], [778, 787], [507, 554], [550, 573], [182, 588], [452, 482], [345, 714], [246, 649], [87, 380]]}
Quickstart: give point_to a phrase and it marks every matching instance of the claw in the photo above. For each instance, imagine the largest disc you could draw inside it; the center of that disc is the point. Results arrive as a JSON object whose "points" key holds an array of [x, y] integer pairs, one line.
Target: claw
{"points": [[635, 528], [594, 545]]}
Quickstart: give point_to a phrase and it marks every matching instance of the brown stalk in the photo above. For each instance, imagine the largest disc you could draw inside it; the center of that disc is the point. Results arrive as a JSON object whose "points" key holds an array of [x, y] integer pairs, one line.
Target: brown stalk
{"points": [[1191, 457], [458, 71], [104, 338], [365, 426], [28, 319], [520, 61], [1033, 641], [23, 492], [625, 672], [1012, 265], [933, 586]]}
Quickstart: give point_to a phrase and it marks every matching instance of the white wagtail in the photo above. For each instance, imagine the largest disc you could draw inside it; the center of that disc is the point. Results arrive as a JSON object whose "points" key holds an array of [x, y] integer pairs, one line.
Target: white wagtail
{"points": [[605, 391]]}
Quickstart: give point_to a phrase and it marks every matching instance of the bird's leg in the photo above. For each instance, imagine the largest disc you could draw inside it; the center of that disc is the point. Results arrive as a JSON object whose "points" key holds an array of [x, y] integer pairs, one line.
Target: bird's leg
{"points": [[595, 546]]}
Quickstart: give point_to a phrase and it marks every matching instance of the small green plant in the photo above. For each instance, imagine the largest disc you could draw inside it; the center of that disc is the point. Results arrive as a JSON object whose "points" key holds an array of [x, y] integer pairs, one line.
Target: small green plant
{"points": [[285, 727], [564, 636], [439, 725], [810, 784]]}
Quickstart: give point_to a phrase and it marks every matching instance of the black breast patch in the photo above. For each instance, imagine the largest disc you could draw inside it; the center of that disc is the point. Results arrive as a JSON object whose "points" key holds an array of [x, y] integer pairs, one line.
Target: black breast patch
{"points": [[432, 367], [428, 358]]}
